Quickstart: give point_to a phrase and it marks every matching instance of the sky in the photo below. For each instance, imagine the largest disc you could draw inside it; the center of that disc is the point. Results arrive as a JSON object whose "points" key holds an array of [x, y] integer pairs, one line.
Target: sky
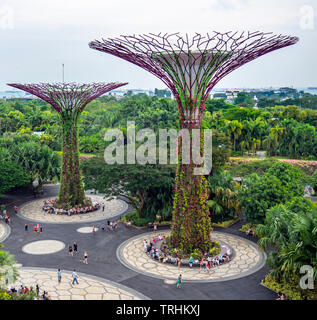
{"points": [[38, 36]]}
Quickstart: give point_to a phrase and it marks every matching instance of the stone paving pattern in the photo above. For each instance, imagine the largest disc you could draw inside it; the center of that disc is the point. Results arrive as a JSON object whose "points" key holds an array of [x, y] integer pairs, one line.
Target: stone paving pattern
{"points": [[4, 231], [33, 211], [246, 260], [89, 288]]}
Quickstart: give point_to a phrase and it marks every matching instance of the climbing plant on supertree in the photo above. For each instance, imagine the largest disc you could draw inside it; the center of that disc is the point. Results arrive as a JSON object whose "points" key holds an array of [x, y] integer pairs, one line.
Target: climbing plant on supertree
{"points": [[69, 100], [191, 67]]}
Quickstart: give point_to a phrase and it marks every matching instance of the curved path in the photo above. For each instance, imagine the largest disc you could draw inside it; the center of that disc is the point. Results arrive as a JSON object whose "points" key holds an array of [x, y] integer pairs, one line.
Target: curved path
{"points": [[103, 262], [246, 259], [89, 287], [4, 231]]}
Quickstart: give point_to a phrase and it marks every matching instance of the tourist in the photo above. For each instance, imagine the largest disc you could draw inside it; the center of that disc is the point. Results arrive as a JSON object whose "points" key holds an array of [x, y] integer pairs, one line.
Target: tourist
{"points": [[15, 209], [93, 230], [85, 257], [41, 229], [70, 250], [26, 228], [35, 230], [111, 224], [178, 262], [249, 232], [37, 289], [191, 260], [103, 207], [179, 281], [59, 275], [145, 245], [207, 266], [155, 226], [75, 245], [75, 277]]}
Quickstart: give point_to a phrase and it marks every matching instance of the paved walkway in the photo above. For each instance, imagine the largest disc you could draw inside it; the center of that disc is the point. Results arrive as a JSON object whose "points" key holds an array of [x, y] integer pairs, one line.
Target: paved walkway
{"points": [[103, 262], [247, 259], [4, 231], [33, 211], [89, 287]]}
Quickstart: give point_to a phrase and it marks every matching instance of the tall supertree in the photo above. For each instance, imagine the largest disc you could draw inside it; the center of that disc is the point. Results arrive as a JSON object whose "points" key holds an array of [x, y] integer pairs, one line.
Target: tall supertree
{"points": [[69, 100], [191, 67]]}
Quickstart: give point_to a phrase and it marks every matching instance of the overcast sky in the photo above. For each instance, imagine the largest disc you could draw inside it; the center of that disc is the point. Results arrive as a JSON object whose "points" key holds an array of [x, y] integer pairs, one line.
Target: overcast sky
{"points": [[37, 36]]}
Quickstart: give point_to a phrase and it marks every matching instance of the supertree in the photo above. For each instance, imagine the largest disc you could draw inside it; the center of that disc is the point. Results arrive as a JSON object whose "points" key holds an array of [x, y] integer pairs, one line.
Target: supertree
{"points": [[69, 100], [191, 67]]}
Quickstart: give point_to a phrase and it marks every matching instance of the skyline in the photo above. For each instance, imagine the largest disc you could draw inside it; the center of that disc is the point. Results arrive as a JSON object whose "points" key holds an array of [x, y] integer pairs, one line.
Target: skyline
{"points": [[37, 38]]}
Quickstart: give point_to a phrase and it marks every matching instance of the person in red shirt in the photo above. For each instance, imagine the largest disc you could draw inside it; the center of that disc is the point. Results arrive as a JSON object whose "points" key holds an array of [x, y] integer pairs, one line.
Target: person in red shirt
{"points": [[15, 209], [35, 230]]}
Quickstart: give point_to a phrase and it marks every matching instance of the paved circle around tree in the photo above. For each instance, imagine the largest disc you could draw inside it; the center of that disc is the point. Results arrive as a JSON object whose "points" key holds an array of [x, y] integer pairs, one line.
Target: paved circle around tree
{"points": [[247, 259], [4, 231], [33, 211], [43, 247], [89, 287]]}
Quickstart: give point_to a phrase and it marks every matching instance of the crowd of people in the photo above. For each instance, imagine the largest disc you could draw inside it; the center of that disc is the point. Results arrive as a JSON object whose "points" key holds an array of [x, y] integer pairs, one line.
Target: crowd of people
{"points": [[207, 261], [24, 290], [48, 207]]}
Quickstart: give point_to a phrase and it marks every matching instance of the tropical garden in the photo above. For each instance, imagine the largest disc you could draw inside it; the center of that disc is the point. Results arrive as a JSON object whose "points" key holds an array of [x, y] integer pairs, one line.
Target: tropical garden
{"points": [[266, 194]]}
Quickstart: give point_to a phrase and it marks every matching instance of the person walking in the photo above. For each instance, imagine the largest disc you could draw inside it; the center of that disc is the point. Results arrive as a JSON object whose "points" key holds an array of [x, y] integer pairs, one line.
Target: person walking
{"points": [[70, 250], [179, 281], [15, 209], [26, 228], [93, 230], [75, 246], [35, 230], [41, 229], [75, 277], [59, 275], [37, 289], [103, 207], [85, 257]]}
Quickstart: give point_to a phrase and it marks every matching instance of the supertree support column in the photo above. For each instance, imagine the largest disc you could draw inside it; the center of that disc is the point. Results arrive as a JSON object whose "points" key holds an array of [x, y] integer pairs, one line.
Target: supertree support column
{"points": [[190, 67], [69, 100]]}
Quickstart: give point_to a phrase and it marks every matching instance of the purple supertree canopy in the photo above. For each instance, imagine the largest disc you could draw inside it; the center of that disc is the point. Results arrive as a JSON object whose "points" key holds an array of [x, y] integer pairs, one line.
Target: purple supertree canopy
{"points": [[67, 96], [192, 66]]}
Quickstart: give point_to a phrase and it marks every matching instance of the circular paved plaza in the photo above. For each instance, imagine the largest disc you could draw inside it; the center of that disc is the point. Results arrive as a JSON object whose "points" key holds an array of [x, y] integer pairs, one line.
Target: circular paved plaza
{"points": [[247, 258], [4, 231], [89, 287], [33, 211]]}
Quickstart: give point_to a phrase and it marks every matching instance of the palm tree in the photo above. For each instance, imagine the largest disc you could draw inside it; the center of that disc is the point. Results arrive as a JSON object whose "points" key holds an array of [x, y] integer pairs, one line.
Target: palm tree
{"points": [[234, 129], [8, 271], [224, 193]]}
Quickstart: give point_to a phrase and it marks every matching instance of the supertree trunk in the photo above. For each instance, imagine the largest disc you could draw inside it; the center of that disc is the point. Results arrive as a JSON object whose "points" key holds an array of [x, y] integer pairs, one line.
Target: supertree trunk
{"points": [[191, 225], [71, 191], [69, 100], [191, 67]]}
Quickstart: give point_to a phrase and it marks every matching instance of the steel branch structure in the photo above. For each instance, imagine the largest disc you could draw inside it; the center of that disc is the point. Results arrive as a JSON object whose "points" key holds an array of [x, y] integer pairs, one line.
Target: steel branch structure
{"points": [[69, 100], [190, 67]]}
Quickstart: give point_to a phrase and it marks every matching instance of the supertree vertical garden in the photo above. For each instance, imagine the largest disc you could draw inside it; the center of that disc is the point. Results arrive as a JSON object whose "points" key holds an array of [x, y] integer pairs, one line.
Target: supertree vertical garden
{"points": [[191, 67], [69, 100]]}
